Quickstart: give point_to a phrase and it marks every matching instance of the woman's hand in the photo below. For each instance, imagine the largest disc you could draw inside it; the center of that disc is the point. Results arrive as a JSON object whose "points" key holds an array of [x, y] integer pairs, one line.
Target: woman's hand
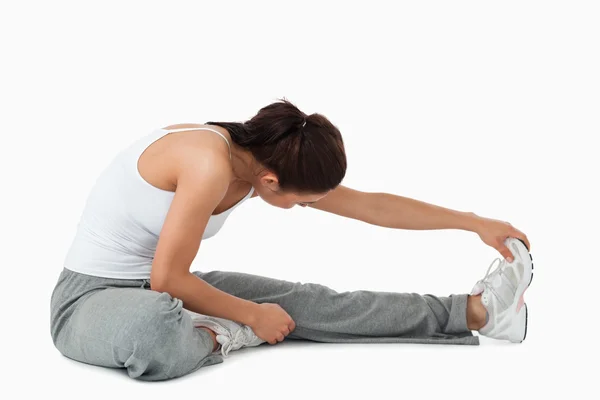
{"points": [[494, 232], [271, 323]]}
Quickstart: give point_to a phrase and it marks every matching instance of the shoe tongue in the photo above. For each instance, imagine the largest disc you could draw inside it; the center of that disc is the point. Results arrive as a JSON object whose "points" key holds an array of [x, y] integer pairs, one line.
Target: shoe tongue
{"points": [[497, 281]]}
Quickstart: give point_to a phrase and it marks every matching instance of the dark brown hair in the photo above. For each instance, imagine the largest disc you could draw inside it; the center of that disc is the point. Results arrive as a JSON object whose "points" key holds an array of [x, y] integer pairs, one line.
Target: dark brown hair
{"points": [[306, 152]]}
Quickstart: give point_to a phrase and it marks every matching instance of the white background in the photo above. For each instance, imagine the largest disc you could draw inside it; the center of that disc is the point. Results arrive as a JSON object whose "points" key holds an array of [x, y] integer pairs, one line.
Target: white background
{"points": [[490, 107]]}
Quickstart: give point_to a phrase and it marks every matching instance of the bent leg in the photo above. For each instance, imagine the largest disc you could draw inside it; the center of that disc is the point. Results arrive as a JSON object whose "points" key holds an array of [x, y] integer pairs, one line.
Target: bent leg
{"points": [[325, 315], [141, 330]]}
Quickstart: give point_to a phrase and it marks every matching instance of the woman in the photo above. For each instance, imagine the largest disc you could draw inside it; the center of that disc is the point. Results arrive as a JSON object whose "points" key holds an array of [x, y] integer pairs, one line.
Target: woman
{"points": [[126, 297]]}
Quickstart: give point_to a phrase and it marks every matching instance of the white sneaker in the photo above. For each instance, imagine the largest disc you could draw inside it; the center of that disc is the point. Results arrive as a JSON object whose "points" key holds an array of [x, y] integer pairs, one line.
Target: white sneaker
{"points": [[502, 294], [230, 334]]}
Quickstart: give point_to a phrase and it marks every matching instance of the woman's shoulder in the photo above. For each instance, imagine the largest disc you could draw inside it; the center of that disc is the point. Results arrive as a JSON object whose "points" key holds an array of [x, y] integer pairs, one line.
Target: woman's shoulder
{"points": [[203, 153]]}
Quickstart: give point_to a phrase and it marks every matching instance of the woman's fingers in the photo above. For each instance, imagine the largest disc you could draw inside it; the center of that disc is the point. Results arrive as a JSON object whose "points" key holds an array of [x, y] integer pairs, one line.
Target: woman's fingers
{"points": [[520, 235], [505, 252]]}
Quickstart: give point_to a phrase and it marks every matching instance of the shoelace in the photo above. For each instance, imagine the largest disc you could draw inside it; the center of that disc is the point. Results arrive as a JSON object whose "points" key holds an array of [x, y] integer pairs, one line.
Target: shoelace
{"points": [[235, 342], [498, 269], [486, 281]]}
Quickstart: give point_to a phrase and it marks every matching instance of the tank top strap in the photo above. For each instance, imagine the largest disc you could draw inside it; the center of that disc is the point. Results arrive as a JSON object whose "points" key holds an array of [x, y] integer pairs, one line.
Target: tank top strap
{"points": [[201, 129]]}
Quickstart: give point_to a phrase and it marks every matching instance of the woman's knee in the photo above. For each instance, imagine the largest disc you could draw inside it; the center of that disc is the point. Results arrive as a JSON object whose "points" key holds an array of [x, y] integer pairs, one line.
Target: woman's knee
{"points": [[166, 345]]}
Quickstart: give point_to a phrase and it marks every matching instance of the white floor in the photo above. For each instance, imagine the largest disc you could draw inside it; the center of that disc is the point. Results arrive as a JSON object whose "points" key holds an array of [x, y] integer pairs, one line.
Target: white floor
{"points": [[299, 370]]}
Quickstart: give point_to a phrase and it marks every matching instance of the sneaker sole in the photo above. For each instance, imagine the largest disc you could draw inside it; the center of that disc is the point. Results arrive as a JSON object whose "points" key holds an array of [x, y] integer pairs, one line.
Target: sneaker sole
{"points": [[530, 257], [526, 317], [522, 294]]}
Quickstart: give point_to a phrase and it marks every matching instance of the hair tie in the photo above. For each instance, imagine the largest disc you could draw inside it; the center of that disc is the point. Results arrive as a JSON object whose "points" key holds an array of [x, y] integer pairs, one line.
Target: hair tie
{"points": [[304, 123]]}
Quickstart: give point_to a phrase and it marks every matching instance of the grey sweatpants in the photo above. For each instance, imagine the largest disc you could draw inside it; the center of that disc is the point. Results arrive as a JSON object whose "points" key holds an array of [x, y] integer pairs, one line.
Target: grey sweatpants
{"points": [[124, 324]]}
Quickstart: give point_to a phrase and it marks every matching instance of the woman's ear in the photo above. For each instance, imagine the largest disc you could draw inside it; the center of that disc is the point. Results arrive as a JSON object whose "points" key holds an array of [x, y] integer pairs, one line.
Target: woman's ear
{"points": [[270, 181]]}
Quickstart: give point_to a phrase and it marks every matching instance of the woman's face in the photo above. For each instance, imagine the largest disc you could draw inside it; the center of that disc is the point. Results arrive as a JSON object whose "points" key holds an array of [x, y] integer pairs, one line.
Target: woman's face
{"points": [[268, 189]]}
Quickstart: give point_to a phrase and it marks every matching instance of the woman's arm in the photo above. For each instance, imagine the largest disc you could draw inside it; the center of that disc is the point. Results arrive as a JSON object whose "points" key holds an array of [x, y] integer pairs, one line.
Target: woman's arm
{"points": [[393, 211], [202, 181]]}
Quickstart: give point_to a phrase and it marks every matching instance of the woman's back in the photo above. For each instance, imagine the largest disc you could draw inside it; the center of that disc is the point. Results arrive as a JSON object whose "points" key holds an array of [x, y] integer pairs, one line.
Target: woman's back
{"points": [[119, 228]]}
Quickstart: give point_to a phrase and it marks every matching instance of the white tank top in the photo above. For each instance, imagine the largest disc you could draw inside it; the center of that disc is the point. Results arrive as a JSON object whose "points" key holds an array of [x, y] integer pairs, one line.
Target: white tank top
{"points": [[118, 230]]}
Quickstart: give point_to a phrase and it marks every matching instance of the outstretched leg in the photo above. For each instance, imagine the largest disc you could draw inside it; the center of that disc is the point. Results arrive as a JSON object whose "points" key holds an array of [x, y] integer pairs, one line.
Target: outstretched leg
{"points": [[325, 315]]}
